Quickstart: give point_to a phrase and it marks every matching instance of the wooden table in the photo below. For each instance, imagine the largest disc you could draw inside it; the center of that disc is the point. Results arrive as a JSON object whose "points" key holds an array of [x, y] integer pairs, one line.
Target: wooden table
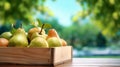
{"points": [[78, 62]]}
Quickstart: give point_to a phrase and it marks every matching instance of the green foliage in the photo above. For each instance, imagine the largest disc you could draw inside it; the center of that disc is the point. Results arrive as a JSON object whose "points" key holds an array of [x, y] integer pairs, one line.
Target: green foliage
{"points": [[25, 10], [11, 10], [83, 34], [22, 11], [104, 13]]}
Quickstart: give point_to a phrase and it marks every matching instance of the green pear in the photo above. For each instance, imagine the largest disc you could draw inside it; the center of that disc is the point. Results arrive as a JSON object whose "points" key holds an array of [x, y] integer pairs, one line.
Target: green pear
{"points": [[36, 34], [6, 35], [38, 42], [33, 30], [54, 42], [19, 39]]}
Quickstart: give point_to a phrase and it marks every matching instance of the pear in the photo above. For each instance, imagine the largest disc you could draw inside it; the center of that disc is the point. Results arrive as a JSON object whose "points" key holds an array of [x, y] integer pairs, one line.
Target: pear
{"points": [[64, 43], [53, 38], [4, 42], [38, 42], [6, 35], [33, 30], [52, 33], [19, 39], [54, 42], [36, 34]]}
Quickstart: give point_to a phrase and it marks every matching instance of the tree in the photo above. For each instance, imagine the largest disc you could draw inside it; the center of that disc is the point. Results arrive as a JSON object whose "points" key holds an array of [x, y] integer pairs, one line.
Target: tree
{"points": [[104, 13], [20, 11], [101, 40], [12, 10], [25, 10], [79, 35]]}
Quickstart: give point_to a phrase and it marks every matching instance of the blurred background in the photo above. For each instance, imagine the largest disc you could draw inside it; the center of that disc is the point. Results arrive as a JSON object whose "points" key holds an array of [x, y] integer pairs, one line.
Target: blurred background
{"points": [[92, 27]]}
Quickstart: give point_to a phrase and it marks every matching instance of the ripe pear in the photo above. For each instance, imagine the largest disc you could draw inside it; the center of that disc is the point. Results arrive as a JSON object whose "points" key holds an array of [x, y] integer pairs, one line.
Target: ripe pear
{"points": [[38, 42], [4, 42], [19, 39], [64, 43], [52, 33], [6, 35], [36, 34], [35, 29], [54, 42]]}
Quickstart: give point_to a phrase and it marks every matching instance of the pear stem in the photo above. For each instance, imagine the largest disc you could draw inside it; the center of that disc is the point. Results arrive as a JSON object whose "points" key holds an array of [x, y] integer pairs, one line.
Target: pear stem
{"points": [[21, 26], [41, 29], [12, 28], [13, 25]]}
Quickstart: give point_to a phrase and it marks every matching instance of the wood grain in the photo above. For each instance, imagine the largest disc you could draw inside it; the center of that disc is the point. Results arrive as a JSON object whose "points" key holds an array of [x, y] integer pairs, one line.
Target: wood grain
{"points": [[62, 54], [25, 55], [43, 56], [78, 62], [93, 62]]}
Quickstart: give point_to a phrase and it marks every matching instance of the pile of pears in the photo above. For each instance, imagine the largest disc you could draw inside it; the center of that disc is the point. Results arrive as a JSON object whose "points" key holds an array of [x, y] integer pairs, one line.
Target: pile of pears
{"points": [[35, 37]]}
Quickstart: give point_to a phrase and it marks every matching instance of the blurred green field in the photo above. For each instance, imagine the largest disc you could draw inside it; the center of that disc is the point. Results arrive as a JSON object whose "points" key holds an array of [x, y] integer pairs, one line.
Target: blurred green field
{"points": [[99, 57]]}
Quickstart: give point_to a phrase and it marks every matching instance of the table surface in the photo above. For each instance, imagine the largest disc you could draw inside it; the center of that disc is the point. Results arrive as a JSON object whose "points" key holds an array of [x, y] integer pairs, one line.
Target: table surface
{"points": [[78, 62]]}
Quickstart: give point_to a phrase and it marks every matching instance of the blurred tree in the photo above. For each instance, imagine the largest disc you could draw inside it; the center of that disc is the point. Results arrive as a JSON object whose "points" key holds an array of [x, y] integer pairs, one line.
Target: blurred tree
{"points": [[79, 35], [105, 14], [101, 40], [21, 11], [11, 10]]}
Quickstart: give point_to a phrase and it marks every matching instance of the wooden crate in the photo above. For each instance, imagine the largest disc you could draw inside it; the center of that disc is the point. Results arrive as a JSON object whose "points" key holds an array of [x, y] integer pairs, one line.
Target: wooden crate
{"points": [[42, 56]]}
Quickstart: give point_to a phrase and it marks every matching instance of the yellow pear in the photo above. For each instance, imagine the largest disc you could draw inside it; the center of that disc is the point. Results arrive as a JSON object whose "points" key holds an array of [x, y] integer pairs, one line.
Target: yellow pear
{"points": [[54, 42], [36, 34], [6, 35], [38, 42], [19, 39], [33, 30]]}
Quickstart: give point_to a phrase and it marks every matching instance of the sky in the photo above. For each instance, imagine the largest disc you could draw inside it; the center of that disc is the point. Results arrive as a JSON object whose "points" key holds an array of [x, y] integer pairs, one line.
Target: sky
{"points": [[63, 10]]}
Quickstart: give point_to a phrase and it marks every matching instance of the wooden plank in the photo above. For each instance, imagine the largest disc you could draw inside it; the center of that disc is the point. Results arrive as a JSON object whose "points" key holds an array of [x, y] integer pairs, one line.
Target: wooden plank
{"points": [[25, 55], [92, 62], [62, 54], [41, 56], [78, 62]]}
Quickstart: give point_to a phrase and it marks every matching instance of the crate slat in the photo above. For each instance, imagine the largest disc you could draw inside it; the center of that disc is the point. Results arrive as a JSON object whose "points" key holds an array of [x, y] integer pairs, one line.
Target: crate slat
{"points": [[43, 56]]}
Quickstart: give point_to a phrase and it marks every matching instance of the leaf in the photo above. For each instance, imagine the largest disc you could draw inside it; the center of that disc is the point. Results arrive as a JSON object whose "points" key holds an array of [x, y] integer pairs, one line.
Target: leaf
{"points": [[46, 25], [13, 30], [39, 22]]}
